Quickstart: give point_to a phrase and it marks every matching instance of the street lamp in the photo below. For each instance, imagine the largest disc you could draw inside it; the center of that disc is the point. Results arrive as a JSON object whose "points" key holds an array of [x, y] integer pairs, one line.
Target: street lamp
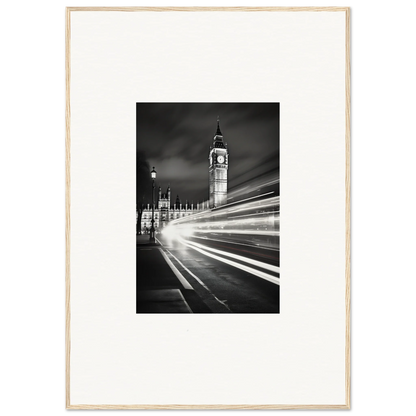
{"points": [[152, 228]]}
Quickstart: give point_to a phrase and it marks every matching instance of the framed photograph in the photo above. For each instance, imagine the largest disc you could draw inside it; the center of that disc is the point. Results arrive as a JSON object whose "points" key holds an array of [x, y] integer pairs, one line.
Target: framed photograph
{"points": [[187, 129], [230, 225]]}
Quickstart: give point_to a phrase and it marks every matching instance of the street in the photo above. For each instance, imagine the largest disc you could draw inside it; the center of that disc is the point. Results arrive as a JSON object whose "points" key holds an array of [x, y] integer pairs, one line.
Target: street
{"points": [[206, 275]]}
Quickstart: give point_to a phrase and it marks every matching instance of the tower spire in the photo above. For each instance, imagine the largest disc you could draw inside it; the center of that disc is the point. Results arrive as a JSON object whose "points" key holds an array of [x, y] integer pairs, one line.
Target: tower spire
{"points": [[218, 166], [218, 133]]}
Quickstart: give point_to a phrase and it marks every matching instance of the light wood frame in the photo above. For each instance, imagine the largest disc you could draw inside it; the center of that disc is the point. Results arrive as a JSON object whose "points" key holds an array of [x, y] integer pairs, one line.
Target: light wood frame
{"points": [[345, 10]]}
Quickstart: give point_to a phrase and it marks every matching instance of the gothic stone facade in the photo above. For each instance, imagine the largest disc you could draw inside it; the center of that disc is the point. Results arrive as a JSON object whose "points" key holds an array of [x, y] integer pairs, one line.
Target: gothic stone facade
{"points": [[165, 212], [218, 169]]}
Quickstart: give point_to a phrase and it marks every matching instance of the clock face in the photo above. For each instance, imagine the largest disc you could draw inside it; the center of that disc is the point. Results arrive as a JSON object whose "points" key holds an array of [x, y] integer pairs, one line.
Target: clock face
{"points": [[220, 159]]}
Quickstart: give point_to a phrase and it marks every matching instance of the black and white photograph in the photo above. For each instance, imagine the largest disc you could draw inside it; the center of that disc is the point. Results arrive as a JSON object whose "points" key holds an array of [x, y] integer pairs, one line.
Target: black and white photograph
{"points": [[190, 115], [207, 208]]}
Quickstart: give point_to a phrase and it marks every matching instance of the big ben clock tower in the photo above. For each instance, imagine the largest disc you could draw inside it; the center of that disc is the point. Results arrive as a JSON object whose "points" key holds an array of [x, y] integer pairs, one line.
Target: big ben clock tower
{"points": [[218, 167]]}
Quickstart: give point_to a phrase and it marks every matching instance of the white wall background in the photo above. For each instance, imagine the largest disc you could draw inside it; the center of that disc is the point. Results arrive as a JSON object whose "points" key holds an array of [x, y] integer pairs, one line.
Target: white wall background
{"points": [[306, 75]]}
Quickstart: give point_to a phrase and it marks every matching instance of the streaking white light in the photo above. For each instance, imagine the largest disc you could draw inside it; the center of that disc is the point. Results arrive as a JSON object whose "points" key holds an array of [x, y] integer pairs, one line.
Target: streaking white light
{"points": [[230, 240], [273, 279], [252, 220], [245, 232], [169, 232], [172, 232], [256, 263], [185, 231]]}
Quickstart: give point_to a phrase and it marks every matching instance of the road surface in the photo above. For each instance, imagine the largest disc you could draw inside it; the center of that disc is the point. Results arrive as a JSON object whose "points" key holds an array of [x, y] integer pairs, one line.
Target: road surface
{"points": [[200, 275]]}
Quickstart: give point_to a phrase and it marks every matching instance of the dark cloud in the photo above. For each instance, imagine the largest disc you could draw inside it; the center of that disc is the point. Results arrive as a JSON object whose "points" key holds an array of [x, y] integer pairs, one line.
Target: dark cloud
{"points": [[176, 138]]}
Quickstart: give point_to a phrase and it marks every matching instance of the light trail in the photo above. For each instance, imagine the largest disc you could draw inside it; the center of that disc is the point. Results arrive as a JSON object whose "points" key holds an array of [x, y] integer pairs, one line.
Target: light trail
{"points": [[256, 214], [251, 220], [234, 242], [263, 181], [245, 232], [256, 263], [231, 208], [247, 199], [273, 279]]}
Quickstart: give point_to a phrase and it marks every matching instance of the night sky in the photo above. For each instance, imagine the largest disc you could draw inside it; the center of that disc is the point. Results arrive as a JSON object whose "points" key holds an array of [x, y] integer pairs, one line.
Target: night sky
{"points": [[176, 138]]}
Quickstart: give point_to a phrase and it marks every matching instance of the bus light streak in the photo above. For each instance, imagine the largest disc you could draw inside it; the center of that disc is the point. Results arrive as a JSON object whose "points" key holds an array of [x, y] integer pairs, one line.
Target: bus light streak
{"points": [[255, 220], [239, 243], [256, 263], [255, 272]]}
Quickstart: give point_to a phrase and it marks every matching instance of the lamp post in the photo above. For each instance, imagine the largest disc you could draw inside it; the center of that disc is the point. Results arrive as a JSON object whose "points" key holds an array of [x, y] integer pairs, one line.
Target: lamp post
{"points": [[152, 228]]}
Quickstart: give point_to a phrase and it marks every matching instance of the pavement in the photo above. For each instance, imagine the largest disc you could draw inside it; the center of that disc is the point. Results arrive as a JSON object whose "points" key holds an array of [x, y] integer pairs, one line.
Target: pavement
{"points": [[160, 286], [143, 239]]}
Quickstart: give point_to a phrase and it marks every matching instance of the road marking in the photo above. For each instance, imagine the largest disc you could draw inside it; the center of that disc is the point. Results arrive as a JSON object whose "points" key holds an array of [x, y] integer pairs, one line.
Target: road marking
{"points": [[198, 280], [186, 303], [258, 273], [178, 274], [163, 301]]}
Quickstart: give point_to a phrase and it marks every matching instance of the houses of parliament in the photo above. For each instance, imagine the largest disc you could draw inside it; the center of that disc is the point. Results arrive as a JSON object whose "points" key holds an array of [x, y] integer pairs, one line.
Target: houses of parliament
{"points": [[166, 211]]}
